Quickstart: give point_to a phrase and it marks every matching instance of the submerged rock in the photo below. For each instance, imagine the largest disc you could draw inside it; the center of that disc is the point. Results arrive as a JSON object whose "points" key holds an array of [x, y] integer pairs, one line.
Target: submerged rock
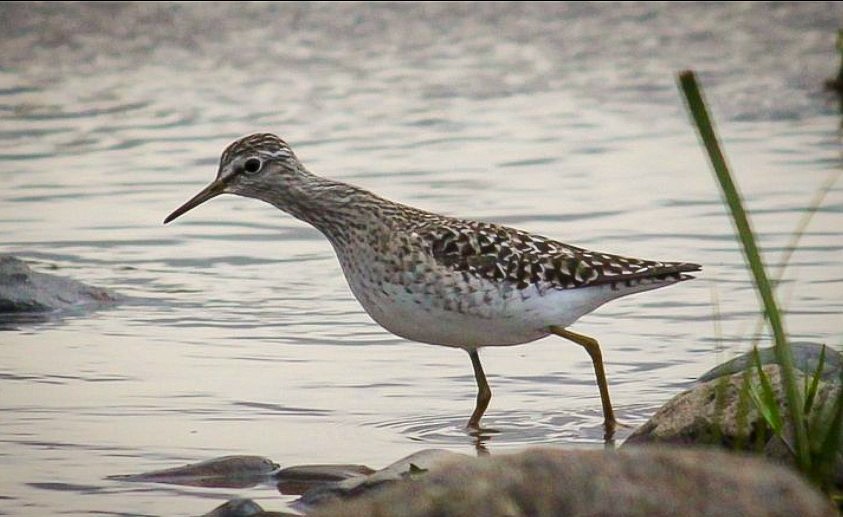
{"points": [[224, 472], [244, 508], [641, 481], [301, 479], [23, 290]]}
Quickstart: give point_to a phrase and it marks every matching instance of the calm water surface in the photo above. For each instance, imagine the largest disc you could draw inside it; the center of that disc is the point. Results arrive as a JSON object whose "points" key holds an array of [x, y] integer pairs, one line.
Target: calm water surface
{"points": [[562, 119]]}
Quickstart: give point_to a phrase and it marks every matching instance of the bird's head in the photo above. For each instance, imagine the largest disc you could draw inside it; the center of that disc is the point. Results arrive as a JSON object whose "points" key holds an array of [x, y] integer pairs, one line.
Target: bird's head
{"points": [[253, 166]]}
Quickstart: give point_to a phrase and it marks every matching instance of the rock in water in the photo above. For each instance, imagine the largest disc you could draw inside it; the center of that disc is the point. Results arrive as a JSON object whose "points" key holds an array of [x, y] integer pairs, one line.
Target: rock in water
{"points": [[806, 358], [720, 412], [23, 290], [224, 472]]}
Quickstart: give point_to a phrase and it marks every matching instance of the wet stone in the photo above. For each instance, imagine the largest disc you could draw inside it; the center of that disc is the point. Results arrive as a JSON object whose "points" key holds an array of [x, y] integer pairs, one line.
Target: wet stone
{"points": [[244, 508], [806, 358], [223, 472], [410, 467], [24, 291], [299, 479], [720, 413]]}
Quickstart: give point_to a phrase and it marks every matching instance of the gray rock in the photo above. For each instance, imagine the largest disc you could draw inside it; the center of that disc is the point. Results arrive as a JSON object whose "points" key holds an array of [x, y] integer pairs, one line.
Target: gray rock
{"points": [[224, 472], [244, 508], [641, 481], [300, 479], [719, 412], [236, 508], [23, 290], [416, 464], [806, 357]]}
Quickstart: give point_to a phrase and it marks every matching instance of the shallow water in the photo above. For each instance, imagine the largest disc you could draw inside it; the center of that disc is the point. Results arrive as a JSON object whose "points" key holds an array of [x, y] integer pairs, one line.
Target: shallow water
{"points": [[562, 119]]}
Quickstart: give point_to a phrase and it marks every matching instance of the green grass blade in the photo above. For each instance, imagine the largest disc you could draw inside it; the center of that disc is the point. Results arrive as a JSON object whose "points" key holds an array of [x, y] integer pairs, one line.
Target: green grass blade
{"points": [[766, 401], [811, 392], [699, 113]]}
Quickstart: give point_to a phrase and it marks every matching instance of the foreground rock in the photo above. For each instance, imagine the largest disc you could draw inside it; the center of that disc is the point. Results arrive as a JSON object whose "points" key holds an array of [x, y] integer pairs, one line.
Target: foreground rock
{"points": [[637, 481], [23, 290]]}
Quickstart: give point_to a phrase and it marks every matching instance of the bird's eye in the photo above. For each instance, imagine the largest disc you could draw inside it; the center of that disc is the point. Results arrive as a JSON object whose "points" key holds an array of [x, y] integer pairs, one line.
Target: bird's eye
{"points": [[252, 165]]}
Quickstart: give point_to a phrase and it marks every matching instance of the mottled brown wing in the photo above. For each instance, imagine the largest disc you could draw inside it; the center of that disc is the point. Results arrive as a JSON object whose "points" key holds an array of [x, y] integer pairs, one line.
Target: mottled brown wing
{"points": [[503, 254]]}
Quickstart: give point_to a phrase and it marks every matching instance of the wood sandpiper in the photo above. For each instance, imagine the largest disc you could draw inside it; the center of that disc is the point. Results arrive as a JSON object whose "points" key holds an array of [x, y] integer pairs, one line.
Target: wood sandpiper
{"points": [[437, 279]]}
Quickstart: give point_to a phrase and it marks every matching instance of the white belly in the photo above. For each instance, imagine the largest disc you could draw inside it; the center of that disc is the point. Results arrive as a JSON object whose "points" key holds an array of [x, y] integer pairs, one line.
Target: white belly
{"points": [[486, 317], [427, 303]]}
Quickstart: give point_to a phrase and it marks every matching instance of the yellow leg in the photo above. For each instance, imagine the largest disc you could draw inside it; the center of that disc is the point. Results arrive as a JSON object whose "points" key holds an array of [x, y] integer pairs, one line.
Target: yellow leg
{"points": [[593, 348], [484, 393]]}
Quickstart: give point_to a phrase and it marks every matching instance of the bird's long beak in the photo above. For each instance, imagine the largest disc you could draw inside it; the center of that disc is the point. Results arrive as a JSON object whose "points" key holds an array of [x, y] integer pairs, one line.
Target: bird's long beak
{"points": [[211, 191]]}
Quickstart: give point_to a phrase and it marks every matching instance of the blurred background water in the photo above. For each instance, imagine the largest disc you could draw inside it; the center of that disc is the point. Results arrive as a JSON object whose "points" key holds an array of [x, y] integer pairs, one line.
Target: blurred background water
{"points": [[559, 118]]}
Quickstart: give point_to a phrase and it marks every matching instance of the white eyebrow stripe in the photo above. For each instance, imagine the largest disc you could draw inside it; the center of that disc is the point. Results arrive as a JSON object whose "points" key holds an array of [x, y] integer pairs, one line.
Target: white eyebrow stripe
{"points": [[279, 153]]}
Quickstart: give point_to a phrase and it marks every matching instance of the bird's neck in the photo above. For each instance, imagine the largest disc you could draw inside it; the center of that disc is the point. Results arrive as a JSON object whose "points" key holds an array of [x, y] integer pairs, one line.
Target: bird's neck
{"points": [[332, 207]]}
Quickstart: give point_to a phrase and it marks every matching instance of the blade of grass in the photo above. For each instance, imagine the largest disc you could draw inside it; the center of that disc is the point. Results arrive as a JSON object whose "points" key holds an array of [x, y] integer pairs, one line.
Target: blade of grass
{"points": [[811, 392], [699, 113], [766, 401]]}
